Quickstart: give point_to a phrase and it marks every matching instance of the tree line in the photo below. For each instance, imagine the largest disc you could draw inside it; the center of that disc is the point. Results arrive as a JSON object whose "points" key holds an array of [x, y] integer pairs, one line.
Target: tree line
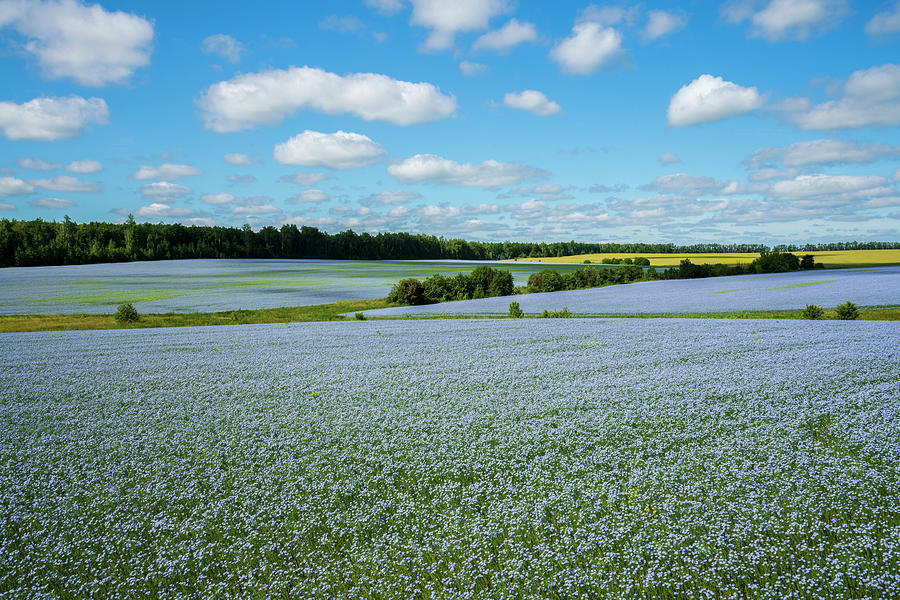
{"points": [[39, 242]]}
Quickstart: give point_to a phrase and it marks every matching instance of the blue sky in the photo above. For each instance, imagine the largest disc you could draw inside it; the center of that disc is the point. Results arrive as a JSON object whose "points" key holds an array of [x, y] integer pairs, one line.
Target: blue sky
{"points": [[770, 120]]}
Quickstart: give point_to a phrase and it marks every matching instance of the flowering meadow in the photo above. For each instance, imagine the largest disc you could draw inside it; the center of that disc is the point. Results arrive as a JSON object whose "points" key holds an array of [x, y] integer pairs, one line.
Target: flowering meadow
{"points": [[877, 286], [563, 458]]}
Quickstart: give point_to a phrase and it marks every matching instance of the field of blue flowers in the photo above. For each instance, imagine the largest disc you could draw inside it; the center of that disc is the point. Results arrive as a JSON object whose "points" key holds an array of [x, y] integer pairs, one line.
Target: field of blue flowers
{"points": [[876, 286], [570, 458]]}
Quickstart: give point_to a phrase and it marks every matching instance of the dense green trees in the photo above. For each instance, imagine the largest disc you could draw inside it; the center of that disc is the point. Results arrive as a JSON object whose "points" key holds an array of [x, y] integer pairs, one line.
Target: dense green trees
{"points": [[38, 242], [482, 282]]}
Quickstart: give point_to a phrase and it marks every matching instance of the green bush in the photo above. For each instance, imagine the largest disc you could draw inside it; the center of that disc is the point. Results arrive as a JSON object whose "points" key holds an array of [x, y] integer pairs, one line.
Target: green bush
{"points": [[126, 313], [813, 311], [515, 311], [360, 316], [847, 311], [407, 291], [559, 314]]}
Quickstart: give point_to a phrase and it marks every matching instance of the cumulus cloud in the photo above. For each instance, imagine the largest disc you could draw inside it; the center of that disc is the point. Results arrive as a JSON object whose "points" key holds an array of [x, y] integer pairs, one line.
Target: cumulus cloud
{"points": [[682, 183], [223, 45], [6, 206], [165, 189], [822, 152], [897, 175], [831, 190], [241, 178], [84, 166], [710, 98], [164, 171], [490, 173], [885, 23], [661, 23], [446, 19], [304, 179], [10, 186], [507, 37], [472, 69], [778, 20], [590, 47], [237, 159], [532, 101], [772, 174], [159, 209], [667, 158], [266, 98], [52, 203], [542, 191], [871, 98], [66, 183], [392, 197], [608, 15], [339, 150], [219, 199], [309, 197], [86, 43], [37, 164], [386, 6], [256, 209], [49, 119]]}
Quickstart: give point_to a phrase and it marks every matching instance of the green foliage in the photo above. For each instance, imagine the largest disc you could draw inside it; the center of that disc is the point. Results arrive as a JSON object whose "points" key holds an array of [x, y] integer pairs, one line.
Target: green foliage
{"points": [[847, 311], [565, 313], [126, 313], [808, 262], [775, 262], [812, 311], [360, 316], [515, 311], [408, 291], [482, 282]]}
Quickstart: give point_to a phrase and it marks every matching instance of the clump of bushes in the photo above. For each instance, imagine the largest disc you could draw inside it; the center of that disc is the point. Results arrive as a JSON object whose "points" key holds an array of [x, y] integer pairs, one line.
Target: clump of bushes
{"points": [[126, 313], [482, 282], [360, 316], [813, 311], [559, 314], [640, 261], [515, 311], [847, 311]]}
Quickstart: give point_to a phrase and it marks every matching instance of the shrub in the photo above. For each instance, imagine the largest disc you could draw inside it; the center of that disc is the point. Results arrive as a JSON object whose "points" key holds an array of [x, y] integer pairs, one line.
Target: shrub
{"points": [[847, 311], [360, 316], [407, 291], [515, 311], [126, 313], [565, 313], [813, 311]]}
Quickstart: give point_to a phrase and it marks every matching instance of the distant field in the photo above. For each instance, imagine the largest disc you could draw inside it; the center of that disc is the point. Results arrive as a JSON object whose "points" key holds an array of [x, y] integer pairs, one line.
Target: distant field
{"points": [[837, 258]]}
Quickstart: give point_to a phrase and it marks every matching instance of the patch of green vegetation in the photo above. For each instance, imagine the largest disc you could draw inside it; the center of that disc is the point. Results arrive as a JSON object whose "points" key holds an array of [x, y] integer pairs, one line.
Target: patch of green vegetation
{"points": [[796, 285], [107, 298], [727, 291]]}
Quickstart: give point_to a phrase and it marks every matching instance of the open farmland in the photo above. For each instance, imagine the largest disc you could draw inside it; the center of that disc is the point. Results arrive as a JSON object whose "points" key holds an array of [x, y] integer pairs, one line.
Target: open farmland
{"points": [[215, 285], [829, 258], [878, 286], [457, 459]]}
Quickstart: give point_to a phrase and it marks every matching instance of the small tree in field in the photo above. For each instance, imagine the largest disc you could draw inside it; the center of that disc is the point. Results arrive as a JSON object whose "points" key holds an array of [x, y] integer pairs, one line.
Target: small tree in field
{"points": [[126, 313], [515, 311], [847, 311], [813, 311]]}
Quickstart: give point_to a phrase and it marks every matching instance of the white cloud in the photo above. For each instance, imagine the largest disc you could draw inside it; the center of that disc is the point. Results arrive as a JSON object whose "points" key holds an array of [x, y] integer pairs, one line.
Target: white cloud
{"points": [[165, 189], [661, 23], [667, 158], [164, 171], [386, 6], [787, 19], [225, 46], [237, 159], [507, 37], [885, 23], [256, 209], [269, 96], [10, 186], [823, 152], [472, 69], [543, 191], [490, 173], [218, 199], [309, 197], [5, 206], [533, 101], [446, 19], [608, 16], [392, 197], [37, 164], [589, 48], [84, 166], [871, 99], [66, 183], [241, 178], [158, 209], [69, 39], [772, 174], [897, 175], [710, 98], [683, 183], [301, 178], [49, 119], [339, 150], [52, 203], [348, 24], [844, 187]]}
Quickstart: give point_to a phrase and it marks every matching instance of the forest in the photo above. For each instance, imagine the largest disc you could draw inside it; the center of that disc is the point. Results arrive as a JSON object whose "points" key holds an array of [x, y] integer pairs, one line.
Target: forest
{"points": [[39, 242]]}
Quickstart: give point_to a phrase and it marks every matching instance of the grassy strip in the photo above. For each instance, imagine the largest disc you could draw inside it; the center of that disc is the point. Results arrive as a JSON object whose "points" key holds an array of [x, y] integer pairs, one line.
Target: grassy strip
{"points": [[291, 314]]}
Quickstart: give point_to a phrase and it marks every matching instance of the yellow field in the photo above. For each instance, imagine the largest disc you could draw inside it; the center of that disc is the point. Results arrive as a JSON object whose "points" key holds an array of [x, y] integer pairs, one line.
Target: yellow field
{"points": [[835, 258]]}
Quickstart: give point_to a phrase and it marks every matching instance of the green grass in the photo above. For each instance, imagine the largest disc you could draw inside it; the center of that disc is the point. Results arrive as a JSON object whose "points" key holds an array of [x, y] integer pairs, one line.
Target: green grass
{"points": [[727, 291], [796, 285]]}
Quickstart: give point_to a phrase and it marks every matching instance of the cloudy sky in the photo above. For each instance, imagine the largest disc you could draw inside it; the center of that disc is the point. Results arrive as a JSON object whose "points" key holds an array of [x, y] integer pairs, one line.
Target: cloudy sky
{"points": [[767, 120]]}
